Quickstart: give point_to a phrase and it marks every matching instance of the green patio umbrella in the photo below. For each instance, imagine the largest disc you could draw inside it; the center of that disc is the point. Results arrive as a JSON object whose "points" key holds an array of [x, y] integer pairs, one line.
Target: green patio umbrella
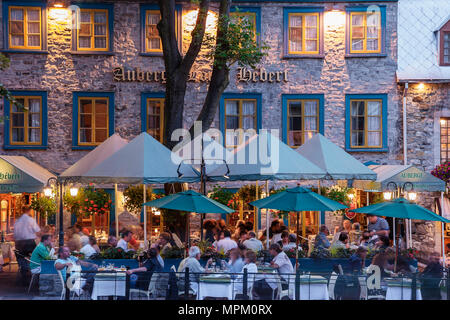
{"points": [[400, 208], [189, 201], [298, 199]]}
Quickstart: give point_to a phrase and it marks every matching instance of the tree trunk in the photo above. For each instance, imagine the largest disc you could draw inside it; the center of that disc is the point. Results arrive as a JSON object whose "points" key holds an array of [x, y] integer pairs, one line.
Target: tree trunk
{"points": [[178, 67], [220, 74]]}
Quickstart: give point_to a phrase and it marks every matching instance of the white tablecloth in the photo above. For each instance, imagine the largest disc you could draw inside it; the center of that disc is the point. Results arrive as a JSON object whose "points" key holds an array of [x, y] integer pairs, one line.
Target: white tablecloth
{"points": [[395, 293], [109, 284], [309, 290], [215, 289]]}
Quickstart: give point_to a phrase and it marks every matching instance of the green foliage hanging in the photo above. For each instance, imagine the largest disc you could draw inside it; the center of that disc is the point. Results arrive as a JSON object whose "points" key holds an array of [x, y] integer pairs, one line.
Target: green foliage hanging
{"points": [[45, 206], [134, 197]]}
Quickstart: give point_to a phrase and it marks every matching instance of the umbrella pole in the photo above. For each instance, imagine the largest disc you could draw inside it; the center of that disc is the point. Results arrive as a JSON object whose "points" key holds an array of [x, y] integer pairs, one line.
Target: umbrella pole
{"points": [[297, 240], [397, 249], [267, 217], [116, 210], [188, 233], [145, 217], [442, 231]]}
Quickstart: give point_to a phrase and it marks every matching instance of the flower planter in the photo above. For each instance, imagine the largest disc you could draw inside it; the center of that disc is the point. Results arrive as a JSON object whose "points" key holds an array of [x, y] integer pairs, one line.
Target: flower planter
{"points": [[48, 266]]}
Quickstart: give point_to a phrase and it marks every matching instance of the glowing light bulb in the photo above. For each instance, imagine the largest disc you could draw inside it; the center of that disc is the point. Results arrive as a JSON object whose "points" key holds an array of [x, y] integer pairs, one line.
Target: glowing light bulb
{"points": [[387, 195]]}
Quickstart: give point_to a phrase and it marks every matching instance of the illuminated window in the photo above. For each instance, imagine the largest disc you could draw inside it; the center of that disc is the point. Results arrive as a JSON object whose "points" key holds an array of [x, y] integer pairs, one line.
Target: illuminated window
{"points": [[303, 33], [366, 123], [152, 39], [443, 36], [93, 116], [151, 43], [25, 28], [93, 32], [365, 32], [26, 123], [239, 114], [93, 120], [303, 121], [445, 140], [155, 118]]}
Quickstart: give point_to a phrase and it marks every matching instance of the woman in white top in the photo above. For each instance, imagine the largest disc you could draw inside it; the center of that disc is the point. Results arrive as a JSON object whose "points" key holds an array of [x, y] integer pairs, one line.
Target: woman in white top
{"points": [[252, 270]]}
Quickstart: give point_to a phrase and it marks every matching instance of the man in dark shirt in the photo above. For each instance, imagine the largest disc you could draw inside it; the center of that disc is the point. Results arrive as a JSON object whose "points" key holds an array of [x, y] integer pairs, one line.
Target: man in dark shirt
{"points": [[431, 276]]}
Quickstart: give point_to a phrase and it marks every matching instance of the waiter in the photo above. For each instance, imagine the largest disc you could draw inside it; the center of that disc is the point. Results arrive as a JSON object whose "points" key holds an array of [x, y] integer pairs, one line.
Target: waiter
{"points": [[25, 233]]}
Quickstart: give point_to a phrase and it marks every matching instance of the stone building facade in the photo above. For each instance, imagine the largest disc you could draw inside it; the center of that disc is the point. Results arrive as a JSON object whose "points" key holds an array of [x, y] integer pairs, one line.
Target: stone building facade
{"points": [[335, 75]]}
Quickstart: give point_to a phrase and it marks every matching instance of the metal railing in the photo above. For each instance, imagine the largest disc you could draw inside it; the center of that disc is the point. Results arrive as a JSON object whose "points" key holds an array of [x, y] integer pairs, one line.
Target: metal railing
{"points": [[100, 285]]}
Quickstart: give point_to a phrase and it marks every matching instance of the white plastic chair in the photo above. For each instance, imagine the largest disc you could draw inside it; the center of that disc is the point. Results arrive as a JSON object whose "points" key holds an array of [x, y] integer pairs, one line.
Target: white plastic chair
{"points": [[78, 284]]}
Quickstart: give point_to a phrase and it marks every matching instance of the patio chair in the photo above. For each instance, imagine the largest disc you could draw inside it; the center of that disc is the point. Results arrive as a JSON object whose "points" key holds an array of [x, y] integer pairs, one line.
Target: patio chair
{"points": [[280, 292], [76, 290], [142, 292]]}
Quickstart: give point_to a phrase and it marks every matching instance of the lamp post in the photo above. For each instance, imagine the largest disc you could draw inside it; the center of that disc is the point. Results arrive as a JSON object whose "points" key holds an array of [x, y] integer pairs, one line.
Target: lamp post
{"points": [[73, 192]]}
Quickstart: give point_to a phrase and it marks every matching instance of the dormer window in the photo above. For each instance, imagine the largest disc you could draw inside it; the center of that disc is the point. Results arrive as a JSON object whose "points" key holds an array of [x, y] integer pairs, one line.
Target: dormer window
{"points": [[444, 44]]}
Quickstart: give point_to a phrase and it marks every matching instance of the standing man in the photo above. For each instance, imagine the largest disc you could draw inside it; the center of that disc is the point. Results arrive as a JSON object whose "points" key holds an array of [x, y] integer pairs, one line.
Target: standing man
{"points": [[25, 233], [378, 226]]}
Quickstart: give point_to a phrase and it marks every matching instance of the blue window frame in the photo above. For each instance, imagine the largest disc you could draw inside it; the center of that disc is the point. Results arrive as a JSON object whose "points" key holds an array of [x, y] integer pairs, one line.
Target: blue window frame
{"points": [[253, 11], [94, 28], [24, 26], [26, 128], [303, 32], [152, 114], [239, 111], [366, 122], [150, 41], [93, 119], [365, 31], [302, 116]]}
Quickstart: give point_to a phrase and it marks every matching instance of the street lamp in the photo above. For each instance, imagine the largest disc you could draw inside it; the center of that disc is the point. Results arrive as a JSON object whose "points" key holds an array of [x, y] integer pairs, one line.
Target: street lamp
{"points": [[73, 192], [412, 196], [387, 195]]}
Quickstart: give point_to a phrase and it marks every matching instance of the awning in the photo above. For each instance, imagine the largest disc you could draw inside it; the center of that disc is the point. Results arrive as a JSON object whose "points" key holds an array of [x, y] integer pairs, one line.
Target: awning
{"points": [[338, 164], [400, 174], [95, 157], [19, 174]]}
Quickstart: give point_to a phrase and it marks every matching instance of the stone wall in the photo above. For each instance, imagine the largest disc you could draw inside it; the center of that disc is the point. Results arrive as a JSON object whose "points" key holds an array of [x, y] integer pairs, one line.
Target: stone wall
{"points": [[61, 73]]}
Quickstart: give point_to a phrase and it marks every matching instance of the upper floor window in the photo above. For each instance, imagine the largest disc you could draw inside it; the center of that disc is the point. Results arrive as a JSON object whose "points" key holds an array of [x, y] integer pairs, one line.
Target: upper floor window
{"points": [[150, 17], [303, 29], [366, 30], [26, 123], [249, 15], [94, 28], [93, 31], [445, 139], [302, 118], [152, 39], [152, 113], [446, 47], [25, 27], [366, 122], [93, 118], [239, 112], [444, 43]]}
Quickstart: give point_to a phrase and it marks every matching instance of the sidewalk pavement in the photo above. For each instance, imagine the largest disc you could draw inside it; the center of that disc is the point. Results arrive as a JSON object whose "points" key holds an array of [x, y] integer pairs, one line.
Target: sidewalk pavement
{"points": [[10, 289]]}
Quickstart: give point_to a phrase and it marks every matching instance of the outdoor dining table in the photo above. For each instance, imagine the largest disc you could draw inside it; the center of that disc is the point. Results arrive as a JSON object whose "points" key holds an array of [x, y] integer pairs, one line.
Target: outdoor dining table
{"points": [[217, 285], [401, 289], [109, 283], [313, 287]]}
